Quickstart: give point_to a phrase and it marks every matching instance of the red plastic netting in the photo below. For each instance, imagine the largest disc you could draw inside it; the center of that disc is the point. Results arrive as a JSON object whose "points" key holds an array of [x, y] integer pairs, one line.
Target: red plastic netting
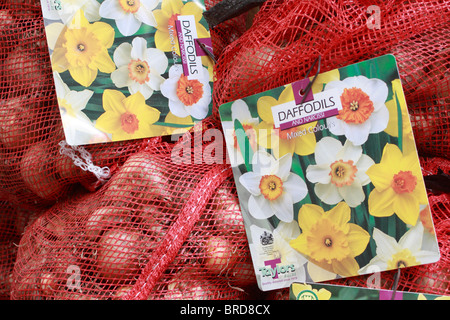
{"points": [[287, 37], [158, 229]]}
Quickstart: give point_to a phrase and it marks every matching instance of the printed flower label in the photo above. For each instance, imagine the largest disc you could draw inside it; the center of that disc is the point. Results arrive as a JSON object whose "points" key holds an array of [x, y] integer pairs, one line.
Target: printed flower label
{"points": [[330, 187], [290, 114], [123, 71], [317, 291], [187, 35]]}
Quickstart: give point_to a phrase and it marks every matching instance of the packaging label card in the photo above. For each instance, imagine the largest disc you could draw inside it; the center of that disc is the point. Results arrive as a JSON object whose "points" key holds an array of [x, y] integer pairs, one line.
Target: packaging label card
{"points": [[330, 185], [127, 70]]}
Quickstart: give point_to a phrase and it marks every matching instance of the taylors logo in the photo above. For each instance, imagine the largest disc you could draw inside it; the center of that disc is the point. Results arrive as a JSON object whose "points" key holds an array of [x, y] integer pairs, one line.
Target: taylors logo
{"points": [[190, 51], [315, 107], [273, 269]]}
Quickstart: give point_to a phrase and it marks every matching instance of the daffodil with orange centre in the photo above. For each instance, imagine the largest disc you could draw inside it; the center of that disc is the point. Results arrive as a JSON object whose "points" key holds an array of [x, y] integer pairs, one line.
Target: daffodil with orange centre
{"points": [[329, 239], [129, 14], [399, 187], [283, 142], [187, 97], [339, 172], [273, 187], [127, 118], [363, 108], [82, 48], [139, 68]]}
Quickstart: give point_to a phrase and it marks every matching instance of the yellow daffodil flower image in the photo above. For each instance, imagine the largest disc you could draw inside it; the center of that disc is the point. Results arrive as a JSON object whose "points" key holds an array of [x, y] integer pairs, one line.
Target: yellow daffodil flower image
{"points": [[399, 186], [127, 118], [329, 239], [82, 48]]}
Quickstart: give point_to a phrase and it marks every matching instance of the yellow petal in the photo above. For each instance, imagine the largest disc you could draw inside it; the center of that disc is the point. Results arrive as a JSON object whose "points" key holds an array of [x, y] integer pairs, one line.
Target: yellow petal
{"points": [[83, 75], [300, 244], [380, 203], [266, 136], [191, 8], [162, 42], [358, 239], [108, 122], [173, 6], [308, 215], [324, 78], [264, 106], [286, 95], [305, 144], [79, 21], [104, 62], [381, 176], [284, 147], [104, 32], [347, 267], [406, 206], [340, 214], [59, 61], [53, 32], [113, 101]]}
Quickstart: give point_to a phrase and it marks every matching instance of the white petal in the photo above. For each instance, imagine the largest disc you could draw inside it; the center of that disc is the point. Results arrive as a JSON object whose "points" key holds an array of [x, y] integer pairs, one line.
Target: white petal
{"points": [[155, 81], [240, 111], [283, 207], [120, 77], [199, 111], [122, 55], [357, 133], [295, 187], [262, 162], [144, 89], [283, 167], [111, 9], [319, 274], [376, 89], [349, 152], [259, 208], [287, 230], [412, 239], [353, 194], [79, 100], [146, 16], [250, 181], [128, 25], [318, 173], [379, 119], [386, 245], [363, 164], [169, 89], [139, 50], [335, 126], [328, 193], [157, 60], [326, 150], [425, 257], [178, 109]]}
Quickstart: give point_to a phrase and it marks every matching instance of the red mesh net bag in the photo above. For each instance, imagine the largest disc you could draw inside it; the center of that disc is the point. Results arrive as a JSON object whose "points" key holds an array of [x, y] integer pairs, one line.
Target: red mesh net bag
{"points": [[158, 229], [33, 171], [286, 37]]}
